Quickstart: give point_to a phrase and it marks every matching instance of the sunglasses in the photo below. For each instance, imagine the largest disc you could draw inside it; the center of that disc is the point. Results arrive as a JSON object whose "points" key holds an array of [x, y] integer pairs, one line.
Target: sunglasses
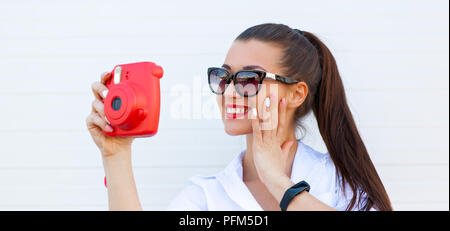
{"points": [[246, 82]]}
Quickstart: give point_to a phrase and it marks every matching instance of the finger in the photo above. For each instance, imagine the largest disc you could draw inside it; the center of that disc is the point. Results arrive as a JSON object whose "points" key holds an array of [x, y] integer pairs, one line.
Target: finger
{"points": [[271, 120], [282, 117], [100, 90], [98, 107], [93, 129], [104, 77], [274, 112], [94, 119], [257, 135], [266, 123]]}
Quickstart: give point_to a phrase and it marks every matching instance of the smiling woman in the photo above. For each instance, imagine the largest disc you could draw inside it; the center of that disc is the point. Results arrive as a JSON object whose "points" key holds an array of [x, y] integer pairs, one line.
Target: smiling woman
{"points": [[280, 74], [272, 77]]}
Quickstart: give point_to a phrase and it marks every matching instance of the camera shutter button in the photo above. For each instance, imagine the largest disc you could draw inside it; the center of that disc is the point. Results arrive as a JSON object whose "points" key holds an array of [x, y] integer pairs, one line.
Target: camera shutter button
{"points": [[158, 71]]}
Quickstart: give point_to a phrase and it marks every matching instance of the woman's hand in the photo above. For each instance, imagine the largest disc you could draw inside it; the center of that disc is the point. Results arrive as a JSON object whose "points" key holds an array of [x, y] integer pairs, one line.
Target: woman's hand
{"points": [[270, 149], [122, 192], [96, 123]]}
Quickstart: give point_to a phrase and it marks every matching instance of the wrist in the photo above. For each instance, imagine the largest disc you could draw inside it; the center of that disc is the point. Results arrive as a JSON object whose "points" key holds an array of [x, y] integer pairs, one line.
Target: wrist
{"points": [[118, 170], [118, 163], [278, 186], [118, 156]]}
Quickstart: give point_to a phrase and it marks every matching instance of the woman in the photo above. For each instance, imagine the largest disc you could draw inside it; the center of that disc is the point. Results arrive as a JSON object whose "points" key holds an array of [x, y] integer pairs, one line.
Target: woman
{"points": [[272, 76]]}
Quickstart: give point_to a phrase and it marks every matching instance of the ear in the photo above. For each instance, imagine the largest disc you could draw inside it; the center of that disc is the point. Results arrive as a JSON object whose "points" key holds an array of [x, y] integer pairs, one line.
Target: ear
{"points": [[297, 94]]}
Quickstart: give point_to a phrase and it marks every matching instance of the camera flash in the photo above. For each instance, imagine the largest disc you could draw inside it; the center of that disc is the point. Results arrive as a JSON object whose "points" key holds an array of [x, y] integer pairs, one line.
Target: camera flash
{"points": [[117, 74]]}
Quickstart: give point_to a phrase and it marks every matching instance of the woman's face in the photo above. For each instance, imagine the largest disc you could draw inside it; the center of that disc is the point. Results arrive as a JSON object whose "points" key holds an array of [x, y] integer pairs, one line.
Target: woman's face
{"points": [[236, 109]]}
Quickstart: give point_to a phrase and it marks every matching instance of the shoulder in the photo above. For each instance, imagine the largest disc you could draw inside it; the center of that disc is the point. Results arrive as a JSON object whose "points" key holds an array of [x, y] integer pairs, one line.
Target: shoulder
{"points": [[329, 187], [344, 194], [341, 190], [193, 196], [202, 191]]}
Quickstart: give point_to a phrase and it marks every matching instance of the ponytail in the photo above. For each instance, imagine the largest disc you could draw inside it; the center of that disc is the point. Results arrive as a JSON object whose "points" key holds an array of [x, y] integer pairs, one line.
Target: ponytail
{"points": [[340, 134]]}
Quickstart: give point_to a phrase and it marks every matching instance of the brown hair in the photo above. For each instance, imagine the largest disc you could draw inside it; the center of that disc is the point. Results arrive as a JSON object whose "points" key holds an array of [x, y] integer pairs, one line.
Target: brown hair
{"points": [[308, 59]]}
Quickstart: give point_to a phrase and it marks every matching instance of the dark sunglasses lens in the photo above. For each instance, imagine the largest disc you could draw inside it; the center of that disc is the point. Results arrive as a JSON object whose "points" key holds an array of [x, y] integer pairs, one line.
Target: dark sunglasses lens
{"points": [[218, 79], [247, 83]]}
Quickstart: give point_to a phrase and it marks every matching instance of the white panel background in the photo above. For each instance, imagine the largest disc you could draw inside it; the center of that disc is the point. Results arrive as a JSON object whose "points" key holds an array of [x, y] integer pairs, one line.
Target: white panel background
{"points": [[393, 57]]}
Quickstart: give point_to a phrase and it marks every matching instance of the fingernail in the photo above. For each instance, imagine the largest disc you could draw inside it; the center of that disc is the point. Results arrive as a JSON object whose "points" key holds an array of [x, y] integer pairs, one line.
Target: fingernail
{"points": [[267, 102], [104, 93], [108, 128], [283, 101], [255, 112], [107, 120]]}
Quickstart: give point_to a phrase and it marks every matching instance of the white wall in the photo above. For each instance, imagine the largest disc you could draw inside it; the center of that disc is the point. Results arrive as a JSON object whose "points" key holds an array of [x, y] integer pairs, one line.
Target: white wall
{"points": [[393, 57]]}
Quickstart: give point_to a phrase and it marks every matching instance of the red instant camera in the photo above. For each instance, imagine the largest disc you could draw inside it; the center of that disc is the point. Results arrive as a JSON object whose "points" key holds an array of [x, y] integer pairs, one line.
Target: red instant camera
{"points": [[133, 100]]}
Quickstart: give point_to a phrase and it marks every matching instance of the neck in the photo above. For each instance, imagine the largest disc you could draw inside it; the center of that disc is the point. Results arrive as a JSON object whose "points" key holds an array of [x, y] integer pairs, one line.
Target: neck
{"points": [[249, 170]]}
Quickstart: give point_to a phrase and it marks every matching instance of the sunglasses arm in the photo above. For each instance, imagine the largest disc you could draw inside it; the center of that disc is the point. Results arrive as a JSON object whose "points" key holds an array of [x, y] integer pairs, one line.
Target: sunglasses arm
{"points": [[281, 78]]}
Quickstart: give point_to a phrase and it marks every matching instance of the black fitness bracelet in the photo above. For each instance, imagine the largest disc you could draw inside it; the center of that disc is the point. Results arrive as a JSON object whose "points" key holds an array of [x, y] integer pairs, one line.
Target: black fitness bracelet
{"points": [[292, 192]]}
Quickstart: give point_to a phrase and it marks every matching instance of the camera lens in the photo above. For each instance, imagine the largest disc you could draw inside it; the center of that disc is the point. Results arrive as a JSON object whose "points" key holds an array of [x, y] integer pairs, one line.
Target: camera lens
{"points": [[116, 103]]}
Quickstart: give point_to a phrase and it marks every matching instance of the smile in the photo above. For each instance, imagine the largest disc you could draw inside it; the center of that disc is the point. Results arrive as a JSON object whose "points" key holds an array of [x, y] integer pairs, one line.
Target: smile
{"points": [[233, 111]]}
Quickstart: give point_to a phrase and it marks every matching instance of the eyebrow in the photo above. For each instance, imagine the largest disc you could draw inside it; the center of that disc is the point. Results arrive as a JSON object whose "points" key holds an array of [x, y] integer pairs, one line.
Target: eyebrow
{"points": [[249, 67], [226, 67]]}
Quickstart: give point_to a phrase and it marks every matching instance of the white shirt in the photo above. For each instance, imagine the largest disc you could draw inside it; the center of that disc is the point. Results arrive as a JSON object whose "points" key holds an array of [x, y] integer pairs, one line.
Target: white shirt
{"points": [[226, 190]]}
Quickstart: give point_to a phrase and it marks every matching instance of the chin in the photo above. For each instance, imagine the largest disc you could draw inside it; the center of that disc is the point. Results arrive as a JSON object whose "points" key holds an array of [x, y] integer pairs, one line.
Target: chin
{"points": [[234, 127]]}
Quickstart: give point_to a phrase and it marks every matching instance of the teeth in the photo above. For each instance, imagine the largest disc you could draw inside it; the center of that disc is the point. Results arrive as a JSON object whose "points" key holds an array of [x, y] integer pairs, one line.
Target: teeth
{"points": [[232, 110]]}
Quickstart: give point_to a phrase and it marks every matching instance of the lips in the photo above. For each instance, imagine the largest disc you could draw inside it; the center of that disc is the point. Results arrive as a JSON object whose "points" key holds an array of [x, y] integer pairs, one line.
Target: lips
{"points": [[234, 111]]}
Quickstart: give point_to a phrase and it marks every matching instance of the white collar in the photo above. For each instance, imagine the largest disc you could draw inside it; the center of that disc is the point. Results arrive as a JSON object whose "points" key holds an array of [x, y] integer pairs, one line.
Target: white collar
{"points": [[232, 182]]}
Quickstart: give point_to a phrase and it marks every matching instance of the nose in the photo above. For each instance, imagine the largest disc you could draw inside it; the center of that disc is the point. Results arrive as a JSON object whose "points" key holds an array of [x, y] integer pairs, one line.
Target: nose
{"points": [[231, 96], [230, 91]]}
